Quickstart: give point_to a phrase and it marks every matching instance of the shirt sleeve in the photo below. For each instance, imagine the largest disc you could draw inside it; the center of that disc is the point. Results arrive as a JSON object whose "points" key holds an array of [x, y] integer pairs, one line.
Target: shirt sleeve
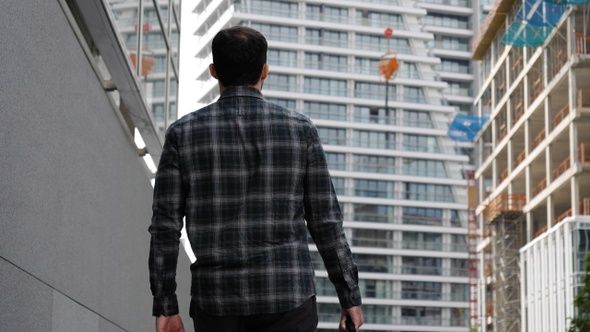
{"points": [[168, 211], [324, 221]]}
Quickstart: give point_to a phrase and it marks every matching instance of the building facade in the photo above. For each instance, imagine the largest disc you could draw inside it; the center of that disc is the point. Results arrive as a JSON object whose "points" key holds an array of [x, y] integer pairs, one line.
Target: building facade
{"points": [[76, 196], [533, 213], [398, 176]]}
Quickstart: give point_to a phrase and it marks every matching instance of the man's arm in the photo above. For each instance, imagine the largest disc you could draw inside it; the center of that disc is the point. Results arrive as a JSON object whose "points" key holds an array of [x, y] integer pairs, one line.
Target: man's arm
{"points": [[168, 211], [324, 221]]}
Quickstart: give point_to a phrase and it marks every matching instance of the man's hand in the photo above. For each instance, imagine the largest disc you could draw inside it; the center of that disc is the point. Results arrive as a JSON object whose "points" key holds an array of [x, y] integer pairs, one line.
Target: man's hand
{"points": [[355, 314], [169, 324]]}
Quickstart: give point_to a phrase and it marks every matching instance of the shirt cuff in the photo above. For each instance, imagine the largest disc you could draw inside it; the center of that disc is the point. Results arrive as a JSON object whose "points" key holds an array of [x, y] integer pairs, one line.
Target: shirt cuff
{"points": [[165, 306], [350, 299]]}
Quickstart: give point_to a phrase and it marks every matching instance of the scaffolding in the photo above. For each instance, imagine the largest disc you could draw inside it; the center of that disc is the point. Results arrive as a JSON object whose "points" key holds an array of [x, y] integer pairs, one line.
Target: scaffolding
{"points": [[507, 237]]}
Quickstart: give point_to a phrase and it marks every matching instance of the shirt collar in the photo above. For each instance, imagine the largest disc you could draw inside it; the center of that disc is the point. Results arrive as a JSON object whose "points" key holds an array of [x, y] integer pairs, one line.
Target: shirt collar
{"points": [[241, 91]]}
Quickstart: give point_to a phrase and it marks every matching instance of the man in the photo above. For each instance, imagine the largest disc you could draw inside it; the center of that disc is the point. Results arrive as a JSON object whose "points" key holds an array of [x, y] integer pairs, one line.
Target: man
{"points": [[250, 177]]}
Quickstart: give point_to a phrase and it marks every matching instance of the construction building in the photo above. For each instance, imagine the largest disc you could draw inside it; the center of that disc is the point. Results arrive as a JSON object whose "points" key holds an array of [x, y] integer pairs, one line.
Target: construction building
{"points": [[399, 177], [533, 208]]}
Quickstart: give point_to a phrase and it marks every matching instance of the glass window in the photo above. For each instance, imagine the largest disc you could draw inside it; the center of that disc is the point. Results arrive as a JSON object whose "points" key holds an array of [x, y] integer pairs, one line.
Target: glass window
{"points": [[373, 164], [373, 263], [326, 37], [374, 114], [414, 94], [420, 143], [428, 192], [454, 66], [285, 58], [381, 289], [374, 90], [379, 19], [372, 213], [373, 188], [325, 13], [422, 241], [158, 111], [281, 82], [424, 167], [458, 89], [409, 70], [379, 42], [376, 238], [324, 86], [421, 265], [323, 61], [456, 220], [458, 243], [373, 139], [417, 119], [459, 267], [366, 66], [430, 316], [269, 7], [339, 186], [419, 290], [332, 136], [447, 21], [422, 216], [277, 32], [286, 103], [326, 111], [336, 160]]}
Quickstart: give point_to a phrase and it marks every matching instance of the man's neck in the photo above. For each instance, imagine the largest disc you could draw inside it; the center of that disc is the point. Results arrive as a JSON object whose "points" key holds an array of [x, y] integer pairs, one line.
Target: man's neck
{"points": [[257, 86]]}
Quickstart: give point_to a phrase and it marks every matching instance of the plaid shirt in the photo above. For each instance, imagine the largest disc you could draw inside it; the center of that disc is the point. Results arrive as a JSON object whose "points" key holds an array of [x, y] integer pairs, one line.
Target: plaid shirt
{"points": [[247, 174]]}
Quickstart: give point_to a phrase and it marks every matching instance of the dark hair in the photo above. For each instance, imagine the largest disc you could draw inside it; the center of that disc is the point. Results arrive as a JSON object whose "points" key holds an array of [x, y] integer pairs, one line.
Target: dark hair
{"points": [[239, 54]]}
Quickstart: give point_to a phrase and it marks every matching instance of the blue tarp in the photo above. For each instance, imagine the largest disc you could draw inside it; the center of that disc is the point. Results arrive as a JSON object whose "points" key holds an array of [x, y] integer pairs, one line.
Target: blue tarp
{"points": [[464, 128], [534, 22], [541, 13], [521, 34]]}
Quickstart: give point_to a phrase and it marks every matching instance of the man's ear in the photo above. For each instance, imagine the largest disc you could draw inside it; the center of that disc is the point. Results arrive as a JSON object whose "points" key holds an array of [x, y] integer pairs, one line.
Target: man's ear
{"points": [[212, 71], [264, 73]]}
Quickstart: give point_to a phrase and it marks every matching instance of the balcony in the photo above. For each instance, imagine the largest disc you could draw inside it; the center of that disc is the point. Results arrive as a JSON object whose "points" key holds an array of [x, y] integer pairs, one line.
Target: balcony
{"points": [[562, 114], [583, 152]]}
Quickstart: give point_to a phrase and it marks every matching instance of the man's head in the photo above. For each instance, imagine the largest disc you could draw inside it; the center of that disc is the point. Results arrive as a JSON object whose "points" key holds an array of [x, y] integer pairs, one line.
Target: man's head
{"points": [[239, 56]]}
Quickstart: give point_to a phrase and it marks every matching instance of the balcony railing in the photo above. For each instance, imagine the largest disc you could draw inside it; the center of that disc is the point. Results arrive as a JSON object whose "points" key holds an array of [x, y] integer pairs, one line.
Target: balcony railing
{"points": [[584, 98], [503, 176], [519, 159], [505, 203], [519, 112], [583, 152], [561, 168], [503, 131], [582, 43], [583, 210], [562, 114], [540, 137], [539, 187]]}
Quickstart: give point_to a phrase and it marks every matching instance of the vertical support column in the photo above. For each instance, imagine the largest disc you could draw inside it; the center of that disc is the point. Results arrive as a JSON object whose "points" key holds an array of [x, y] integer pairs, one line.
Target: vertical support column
{"points": [[550, 211], [139, 38]]}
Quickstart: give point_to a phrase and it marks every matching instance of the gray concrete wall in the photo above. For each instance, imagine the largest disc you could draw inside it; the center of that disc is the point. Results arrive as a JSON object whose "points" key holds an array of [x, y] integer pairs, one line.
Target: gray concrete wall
{"points": [[75, 202]]}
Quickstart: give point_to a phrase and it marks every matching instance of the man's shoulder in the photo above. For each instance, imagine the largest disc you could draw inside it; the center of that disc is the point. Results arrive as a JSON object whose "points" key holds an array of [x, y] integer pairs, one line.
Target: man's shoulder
{"points": [[190, 118], [287, 113]]}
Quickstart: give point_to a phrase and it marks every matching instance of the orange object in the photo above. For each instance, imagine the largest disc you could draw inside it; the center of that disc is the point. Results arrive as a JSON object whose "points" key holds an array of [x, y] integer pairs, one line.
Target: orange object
{"points": [[147, 63], [388, 67]]}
